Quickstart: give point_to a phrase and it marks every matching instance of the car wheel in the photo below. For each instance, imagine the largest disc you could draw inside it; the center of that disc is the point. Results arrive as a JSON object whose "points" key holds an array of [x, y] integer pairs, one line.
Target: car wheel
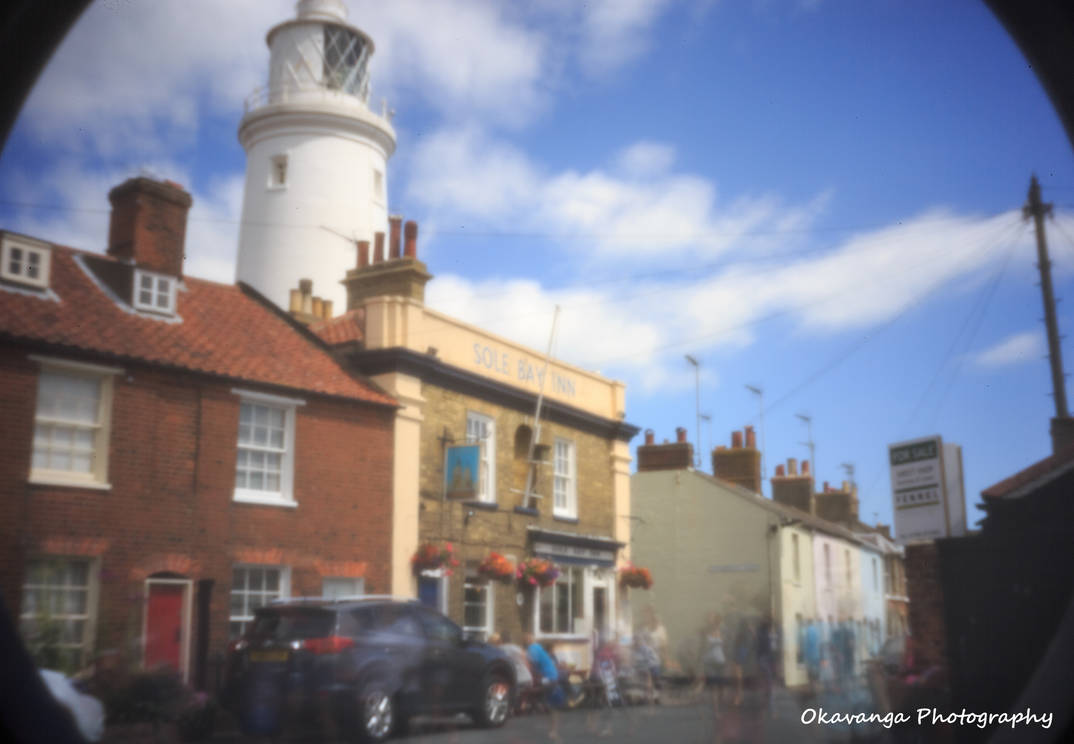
{"points": [[495, 702], [376, 712]]}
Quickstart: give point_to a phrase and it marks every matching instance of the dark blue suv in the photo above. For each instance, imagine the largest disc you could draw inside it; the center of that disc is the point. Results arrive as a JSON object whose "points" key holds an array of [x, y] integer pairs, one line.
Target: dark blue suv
{"points": [[365, 665]]}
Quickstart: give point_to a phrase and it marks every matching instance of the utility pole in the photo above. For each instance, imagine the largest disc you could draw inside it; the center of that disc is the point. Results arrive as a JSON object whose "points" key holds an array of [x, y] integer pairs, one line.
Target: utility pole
{"points": [[1036, 209], [810, 443]]}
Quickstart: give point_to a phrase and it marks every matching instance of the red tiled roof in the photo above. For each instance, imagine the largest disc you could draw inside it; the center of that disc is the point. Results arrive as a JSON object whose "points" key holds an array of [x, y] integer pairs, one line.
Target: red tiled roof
{"points": [[341, 329], [1030, 475], [224, 331]]}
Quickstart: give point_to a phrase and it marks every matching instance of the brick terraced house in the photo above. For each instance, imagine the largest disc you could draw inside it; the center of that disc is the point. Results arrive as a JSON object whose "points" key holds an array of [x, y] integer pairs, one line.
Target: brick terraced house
{"points": [[176, 452]]}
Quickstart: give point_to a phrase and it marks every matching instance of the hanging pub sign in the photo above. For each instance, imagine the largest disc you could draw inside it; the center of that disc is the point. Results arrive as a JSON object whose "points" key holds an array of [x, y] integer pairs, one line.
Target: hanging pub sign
{"points": [[460, 471]]}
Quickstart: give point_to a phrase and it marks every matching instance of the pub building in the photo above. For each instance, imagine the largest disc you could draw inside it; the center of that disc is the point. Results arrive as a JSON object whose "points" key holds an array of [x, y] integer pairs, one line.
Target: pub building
{"points": [[479, 470]]}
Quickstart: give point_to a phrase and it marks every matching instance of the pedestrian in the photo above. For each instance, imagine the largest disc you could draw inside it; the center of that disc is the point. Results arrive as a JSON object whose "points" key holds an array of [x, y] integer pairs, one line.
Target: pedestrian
{"points": [[547, 672], [812, 653]]}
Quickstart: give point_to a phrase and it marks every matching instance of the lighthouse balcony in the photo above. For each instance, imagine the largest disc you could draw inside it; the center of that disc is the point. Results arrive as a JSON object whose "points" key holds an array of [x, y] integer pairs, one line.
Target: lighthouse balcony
{"points": [[315, 95]]}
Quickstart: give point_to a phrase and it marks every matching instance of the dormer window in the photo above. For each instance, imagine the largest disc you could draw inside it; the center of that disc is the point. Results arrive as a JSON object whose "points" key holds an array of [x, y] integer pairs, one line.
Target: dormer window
{"points": [[24, 261], [154, 292]]}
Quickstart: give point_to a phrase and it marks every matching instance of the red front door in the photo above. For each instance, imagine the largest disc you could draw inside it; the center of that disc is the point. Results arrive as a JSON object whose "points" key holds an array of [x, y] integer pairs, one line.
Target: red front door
{"points": [[164, 626]]}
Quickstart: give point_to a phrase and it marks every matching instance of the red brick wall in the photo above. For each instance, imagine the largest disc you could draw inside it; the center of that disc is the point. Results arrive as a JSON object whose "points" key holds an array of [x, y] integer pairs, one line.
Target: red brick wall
{"points": [[926, 605], [170, 508]]}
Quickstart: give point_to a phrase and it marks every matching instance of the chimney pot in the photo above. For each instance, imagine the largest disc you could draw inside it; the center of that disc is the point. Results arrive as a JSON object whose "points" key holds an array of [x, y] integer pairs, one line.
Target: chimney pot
{"points": [[318, 307], [805, 467], [296, 300], [395, 222], [680, 434], [751, 438], [792, 466], [410, 236], [846, 486], [827, 488], [736, 440], [378, 247], [363, 253], [650, 436], [779, 471], [327, 309]]}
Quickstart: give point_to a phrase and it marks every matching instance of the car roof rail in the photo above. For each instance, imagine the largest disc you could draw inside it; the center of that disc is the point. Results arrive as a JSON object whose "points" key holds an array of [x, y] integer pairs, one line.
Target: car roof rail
{"points": [[343, 598]]}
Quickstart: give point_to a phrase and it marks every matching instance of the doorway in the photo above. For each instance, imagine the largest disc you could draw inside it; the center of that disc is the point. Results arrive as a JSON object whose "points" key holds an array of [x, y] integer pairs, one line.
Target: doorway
{"points": [[166, 634]]}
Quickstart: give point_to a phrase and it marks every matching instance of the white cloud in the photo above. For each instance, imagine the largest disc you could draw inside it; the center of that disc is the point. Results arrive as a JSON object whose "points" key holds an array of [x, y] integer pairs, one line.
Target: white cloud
{"points": [[638, 208], [1014, 349], [715, 271], [616, 31]]}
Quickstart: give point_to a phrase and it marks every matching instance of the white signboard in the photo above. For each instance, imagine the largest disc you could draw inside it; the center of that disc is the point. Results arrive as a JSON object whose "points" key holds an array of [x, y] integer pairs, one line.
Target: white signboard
{"points": [[917, 489], [923, 488]]}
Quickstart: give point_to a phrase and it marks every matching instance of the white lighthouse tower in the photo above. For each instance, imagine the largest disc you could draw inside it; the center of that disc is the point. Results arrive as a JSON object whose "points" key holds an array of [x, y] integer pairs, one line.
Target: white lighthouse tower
{"points": [[316, 157]]}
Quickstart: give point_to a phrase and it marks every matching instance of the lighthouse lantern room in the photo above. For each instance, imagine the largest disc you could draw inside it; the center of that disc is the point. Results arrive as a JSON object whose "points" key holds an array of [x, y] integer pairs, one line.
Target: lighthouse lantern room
{"points": [[316, 157]]}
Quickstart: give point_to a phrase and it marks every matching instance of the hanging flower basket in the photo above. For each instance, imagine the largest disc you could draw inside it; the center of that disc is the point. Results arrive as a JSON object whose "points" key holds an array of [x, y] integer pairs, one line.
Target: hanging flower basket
{"points": [[536, 572], [495, 567], [635, 577], [432, 557]]}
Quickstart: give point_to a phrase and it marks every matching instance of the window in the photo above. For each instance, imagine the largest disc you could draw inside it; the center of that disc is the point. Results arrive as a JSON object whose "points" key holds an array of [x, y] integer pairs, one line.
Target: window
{"points": [[482, 430], [847, 556], [477, 609], [71, 425], [345, 58], [277, 171], [333, 587], [565, 502], [560, 605], [795, 559], [24, 261], [58, 607], [264, 462], [154, 292], [253, 587], [378, 185], [827, 566], [876, 578], [439, 628]]}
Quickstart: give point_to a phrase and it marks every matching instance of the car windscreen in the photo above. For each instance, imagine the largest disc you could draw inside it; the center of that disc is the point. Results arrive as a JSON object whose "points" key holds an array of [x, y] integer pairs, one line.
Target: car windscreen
{"points": [[292, 623]]}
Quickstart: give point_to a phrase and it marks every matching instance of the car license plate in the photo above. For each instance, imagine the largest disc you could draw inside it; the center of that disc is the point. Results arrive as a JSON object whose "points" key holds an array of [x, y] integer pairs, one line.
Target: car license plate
{"points": [[269, 655]]}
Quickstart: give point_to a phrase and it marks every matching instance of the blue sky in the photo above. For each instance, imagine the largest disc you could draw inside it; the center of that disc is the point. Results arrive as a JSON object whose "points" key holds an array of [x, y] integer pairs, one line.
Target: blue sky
{"points": [[819, 198]]}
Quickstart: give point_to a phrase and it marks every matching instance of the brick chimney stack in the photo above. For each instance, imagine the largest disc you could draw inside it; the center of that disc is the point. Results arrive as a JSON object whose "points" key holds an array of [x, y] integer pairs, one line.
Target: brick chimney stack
{"points": [[148, 225], [740, 465], [400, 274], [838, 505], [677, 455], [793, 488]]}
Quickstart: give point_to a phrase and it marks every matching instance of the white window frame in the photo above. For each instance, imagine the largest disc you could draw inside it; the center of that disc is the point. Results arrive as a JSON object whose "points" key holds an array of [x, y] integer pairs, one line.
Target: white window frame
{"points": [[279, 171], [156, 292], [481, 632], [565, 479], [796, 557], [89, 617], [285, 496], [28, 247], [486, 477], [566, 570], [327, 580], [97, 476], [378, 186], [283, 591]]}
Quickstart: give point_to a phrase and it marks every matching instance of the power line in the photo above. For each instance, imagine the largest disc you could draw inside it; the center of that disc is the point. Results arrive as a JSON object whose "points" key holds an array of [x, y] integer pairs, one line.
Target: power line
{"points": [[962, 329]]}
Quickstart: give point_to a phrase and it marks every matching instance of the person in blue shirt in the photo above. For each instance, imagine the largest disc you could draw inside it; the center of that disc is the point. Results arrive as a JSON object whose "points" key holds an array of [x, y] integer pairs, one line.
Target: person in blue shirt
{"points": [[546, 672]]}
